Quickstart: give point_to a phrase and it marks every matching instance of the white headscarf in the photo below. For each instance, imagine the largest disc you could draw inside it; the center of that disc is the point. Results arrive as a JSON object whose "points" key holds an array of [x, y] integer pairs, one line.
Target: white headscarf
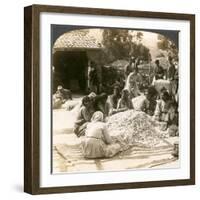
{"points": [[97, 117], [92, 95]]}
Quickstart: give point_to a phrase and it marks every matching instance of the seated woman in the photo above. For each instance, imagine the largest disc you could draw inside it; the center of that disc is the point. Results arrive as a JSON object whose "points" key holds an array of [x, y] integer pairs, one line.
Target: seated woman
{"points": [[84, 116], [65, 93], [101, 104], [61, 96], [162, 107], [151, 96], [124, 102], [97, 143], [78, 105], [113, 100], [173, 119], [146, 102], [57, 101], [141, 103]]}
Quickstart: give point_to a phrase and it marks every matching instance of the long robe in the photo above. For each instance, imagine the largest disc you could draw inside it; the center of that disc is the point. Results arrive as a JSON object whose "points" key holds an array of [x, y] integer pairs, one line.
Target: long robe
{"points": [[97, 143], [132, 84]]}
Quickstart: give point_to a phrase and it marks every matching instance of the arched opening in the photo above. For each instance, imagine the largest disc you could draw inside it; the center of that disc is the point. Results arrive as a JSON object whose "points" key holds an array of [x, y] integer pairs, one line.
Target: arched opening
{"points": [[70, 70]]}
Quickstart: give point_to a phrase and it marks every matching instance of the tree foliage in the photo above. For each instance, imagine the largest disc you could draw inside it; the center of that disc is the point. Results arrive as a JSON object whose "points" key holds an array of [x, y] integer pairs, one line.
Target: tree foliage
{"points": [[167, 45], [120, 44]]}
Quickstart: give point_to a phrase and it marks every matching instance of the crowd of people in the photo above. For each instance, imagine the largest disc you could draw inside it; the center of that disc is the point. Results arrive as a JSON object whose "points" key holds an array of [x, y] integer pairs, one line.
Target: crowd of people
{"points": [[161, 104]]}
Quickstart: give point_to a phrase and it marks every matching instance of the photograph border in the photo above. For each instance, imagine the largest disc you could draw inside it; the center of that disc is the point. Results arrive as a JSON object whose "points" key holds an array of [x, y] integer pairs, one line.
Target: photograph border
{"points": [[32, 98]]}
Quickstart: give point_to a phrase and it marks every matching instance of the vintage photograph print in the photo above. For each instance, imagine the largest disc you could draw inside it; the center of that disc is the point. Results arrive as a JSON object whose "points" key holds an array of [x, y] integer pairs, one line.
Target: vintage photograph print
{"points": [[115, 99]]}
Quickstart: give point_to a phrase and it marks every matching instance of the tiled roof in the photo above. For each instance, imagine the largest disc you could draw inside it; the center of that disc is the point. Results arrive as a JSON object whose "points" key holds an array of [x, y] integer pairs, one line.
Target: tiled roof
{"points": [[77, 39]]}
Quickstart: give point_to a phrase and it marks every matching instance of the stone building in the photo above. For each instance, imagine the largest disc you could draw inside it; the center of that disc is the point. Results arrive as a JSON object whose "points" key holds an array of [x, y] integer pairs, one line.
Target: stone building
{"points": [[70, 56]]}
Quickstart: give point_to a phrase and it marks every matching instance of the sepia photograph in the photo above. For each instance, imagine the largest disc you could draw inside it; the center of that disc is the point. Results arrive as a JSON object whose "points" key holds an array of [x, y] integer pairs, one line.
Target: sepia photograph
{"points": [[115, 99]]}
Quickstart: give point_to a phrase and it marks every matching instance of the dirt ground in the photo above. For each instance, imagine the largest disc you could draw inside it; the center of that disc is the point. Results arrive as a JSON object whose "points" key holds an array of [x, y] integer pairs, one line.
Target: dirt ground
{"points": [[67, 156]]}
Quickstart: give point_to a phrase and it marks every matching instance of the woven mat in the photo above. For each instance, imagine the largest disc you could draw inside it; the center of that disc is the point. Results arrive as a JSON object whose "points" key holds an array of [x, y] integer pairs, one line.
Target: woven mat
{"points": [[136, 157]]}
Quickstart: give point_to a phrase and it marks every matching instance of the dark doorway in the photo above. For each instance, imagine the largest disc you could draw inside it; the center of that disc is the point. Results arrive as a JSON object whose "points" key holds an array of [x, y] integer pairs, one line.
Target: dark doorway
{"points": [[70, 70]]}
